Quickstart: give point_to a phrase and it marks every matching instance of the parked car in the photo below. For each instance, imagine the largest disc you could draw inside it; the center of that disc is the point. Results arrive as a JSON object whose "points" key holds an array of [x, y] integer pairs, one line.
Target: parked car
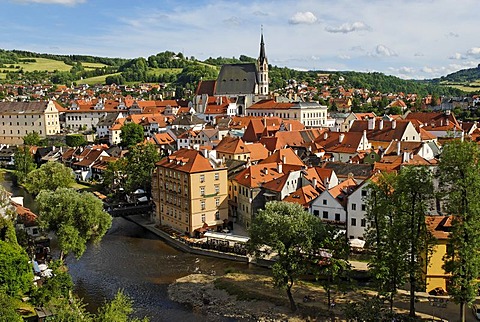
{"points": [[476, 311]]}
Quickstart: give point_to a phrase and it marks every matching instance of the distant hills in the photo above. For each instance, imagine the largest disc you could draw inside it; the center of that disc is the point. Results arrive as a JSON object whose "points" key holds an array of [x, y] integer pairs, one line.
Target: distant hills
{"points": [[183, 73]]}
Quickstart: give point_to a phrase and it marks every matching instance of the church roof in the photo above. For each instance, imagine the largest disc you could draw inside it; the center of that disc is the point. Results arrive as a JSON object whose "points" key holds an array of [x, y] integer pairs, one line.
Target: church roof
{"points": [[237, 79]]}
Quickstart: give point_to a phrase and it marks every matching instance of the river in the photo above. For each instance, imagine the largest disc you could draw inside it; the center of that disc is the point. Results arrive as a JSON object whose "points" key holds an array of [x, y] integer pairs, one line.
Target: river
{"points": [[132, 259]]}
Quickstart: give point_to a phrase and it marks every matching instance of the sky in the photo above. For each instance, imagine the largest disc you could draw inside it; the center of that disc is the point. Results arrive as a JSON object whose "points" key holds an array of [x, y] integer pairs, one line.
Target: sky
{"points": [[411, 39]]}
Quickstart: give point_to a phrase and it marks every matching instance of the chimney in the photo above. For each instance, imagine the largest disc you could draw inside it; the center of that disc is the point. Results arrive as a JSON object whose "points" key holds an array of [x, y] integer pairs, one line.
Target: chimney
{"points": [[394, 124], [205, 153], [405, 157], [399, 147], [325, 135], [371, 123], [447, 122], [265, 170], [279, 167], [314, 183], [284, 159], [341, 137], [380, 125], [290, 127]]}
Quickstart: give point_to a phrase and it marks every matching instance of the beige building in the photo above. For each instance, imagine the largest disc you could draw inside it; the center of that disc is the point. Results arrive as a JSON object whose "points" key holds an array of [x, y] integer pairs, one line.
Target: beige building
{"points": [[17, 119], [190, 192]]}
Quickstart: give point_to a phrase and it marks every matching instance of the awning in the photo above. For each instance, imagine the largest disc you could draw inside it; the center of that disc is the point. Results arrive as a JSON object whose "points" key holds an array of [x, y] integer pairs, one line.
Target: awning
{"points": [[227, 237], [358, 243]]}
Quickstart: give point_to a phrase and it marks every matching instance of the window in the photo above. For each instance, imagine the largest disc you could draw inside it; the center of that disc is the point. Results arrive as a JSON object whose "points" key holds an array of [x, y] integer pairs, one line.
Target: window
{"points": [[363, 222], [217, 188], [364, 207], [354, 206], [325, 215], [217, 215], [364, 193], [353, 221], [203, 217], [316, 213], [202, 204], [324, 201], [337, 217], [202, 191], [217, 176], [217, 202], [202, 178]]}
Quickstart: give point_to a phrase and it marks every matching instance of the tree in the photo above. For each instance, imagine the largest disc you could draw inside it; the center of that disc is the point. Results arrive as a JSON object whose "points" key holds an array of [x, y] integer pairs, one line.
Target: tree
{"points": [[24, 163], [414, 188], [76, 218], [387, 265], [131, 134], [58, 286], [118, 310], [115, 175], [75, 140], [50, 176], [8, 311], [70, 309], [32, 138], [140, 165], [459, 172], [291, 232], [15, 270]]}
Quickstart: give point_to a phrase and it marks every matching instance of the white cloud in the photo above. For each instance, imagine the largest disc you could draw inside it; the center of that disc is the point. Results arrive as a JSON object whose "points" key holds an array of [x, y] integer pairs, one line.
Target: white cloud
{"points": [[344, 57], [306, 17], [61, 2], [474, 51], [457, 56], [384, 51], [233, 21], [349, 27]]}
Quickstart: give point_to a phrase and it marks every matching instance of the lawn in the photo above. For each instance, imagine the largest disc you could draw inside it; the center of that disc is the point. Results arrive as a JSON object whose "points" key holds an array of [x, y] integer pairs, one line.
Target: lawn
{"points": [[93, 65], [161, 71], [45, 64]]}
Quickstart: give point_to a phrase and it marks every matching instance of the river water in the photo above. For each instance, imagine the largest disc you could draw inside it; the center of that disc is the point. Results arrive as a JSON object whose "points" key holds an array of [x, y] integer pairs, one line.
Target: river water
{"points": [[132, 259]]}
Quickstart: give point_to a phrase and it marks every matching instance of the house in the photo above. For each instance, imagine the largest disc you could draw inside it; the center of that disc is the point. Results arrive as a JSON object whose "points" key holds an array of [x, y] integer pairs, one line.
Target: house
{"points": [[190, 192], [105, 123], [17, 119], [330, 205], [386, 130], [439, 124], [433, 272], [357, 209], [343, 146], [83, 167]]}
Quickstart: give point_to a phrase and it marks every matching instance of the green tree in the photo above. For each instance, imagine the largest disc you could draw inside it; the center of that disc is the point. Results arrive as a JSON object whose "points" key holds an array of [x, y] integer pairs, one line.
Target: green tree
{"points": [[459, 171], [387, 265], [119, 310], [50, 176], [32, 138], [131, 134], [140, 165], [414, 188], [290, 232], [75, 140], [15, 270], [24, 163], [76, 218], [70, 309], [8, 311], [115, 176], [58, 286]]}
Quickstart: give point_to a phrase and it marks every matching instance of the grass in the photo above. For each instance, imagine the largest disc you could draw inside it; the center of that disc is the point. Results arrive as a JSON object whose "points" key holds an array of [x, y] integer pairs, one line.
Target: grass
{"points": [[161, 71], [45, 64], [95, 80], [465, 88], [93, 65]]}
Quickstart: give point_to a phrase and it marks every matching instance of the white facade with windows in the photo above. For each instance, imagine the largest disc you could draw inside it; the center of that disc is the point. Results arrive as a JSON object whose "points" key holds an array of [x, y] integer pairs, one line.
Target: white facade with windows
{"points": [[357, 209]]}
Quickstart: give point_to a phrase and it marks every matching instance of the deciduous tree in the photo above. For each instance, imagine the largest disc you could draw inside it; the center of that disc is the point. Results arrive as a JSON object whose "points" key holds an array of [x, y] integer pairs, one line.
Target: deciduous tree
{"points": [[119, 309], [49, 176], [291, 232], [24, 163], [459, 171], [76, 218], [140, 165], [15, 271], [32, 138], [131, 134]]}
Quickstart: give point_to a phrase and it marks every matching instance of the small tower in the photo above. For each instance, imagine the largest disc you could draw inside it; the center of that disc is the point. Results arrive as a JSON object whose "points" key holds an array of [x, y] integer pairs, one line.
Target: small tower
{"points": [[262, 65]]}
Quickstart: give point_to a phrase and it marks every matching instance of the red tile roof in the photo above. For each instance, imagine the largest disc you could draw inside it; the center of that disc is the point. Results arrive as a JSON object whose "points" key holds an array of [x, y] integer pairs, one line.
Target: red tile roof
{"points": [[186, 160]]}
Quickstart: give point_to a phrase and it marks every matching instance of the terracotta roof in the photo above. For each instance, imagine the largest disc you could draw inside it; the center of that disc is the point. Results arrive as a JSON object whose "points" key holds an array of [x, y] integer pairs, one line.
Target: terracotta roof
{"points": [[285, 156], [439, 226], [271, 104], [386, 133], [163, 138], [303, 196], [330, 142], [258, 174], [206, 87], [344, 188], [232, 145], [25, 215], [89, 157], [436, 121], [257, 151], [186, 160]]}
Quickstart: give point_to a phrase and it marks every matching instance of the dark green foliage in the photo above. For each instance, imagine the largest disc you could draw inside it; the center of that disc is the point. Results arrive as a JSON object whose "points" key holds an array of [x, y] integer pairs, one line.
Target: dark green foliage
{"points": [[58, 286], [131, 134], [119, 310], [15, 270], [460, 183], [141, 161], [32, 138], [24, 163], [75, 140], [464, 75]]}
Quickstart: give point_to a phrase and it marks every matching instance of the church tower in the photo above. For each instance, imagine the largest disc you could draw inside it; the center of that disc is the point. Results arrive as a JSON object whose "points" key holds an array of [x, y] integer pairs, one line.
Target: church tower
{"points": [[262, 65]]}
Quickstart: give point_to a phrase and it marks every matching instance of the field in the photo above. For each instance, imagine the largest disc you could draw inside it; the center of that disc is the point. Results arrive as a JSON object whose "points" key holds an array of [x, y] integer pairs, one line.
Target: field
{"points": [[95, 80], [93, 65], [161, 71], [466, 87]]}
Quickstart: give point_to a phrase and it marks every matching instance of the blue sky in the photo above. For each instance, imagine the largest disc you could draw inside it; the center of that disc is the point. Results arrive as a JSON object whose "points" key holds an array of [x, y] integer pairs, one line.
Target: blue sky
{"points": [[406, 38]]}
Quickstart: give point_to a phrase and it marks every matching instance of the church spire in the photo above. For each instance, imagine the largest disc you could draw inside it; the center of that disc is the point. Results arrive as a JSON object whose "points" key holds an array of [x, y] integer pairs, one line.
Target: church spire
{"points": [[261, 57], [262, 65]]}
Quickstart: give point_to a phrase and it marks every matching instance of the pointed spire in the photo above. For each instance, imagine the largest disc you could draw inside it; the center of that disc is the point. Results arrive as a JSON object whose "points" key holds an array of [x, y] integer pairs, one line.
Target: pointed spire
{"points": [[262, 56]]}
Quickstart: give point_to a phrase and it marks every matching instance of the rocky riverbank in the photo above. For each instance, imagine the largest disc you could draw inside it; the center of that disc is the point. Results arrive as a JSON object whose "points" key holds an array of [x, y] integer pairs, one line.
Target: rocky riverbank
{"points": [[255, 298]]}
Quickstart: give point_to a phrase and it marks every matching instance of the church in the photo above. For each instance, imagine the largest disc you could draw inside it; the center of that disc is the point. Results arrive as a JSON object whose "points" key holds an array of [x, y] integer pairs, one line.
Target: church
{"points": [[241, 84]]}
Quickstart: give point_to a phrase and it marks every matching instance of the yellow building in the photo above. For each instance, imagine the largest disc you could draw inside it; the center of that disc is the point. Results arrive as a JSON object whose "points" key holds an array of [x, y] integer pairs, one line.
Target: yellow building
{"points": [[434, 274], [190, 192], [17, 119]]}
